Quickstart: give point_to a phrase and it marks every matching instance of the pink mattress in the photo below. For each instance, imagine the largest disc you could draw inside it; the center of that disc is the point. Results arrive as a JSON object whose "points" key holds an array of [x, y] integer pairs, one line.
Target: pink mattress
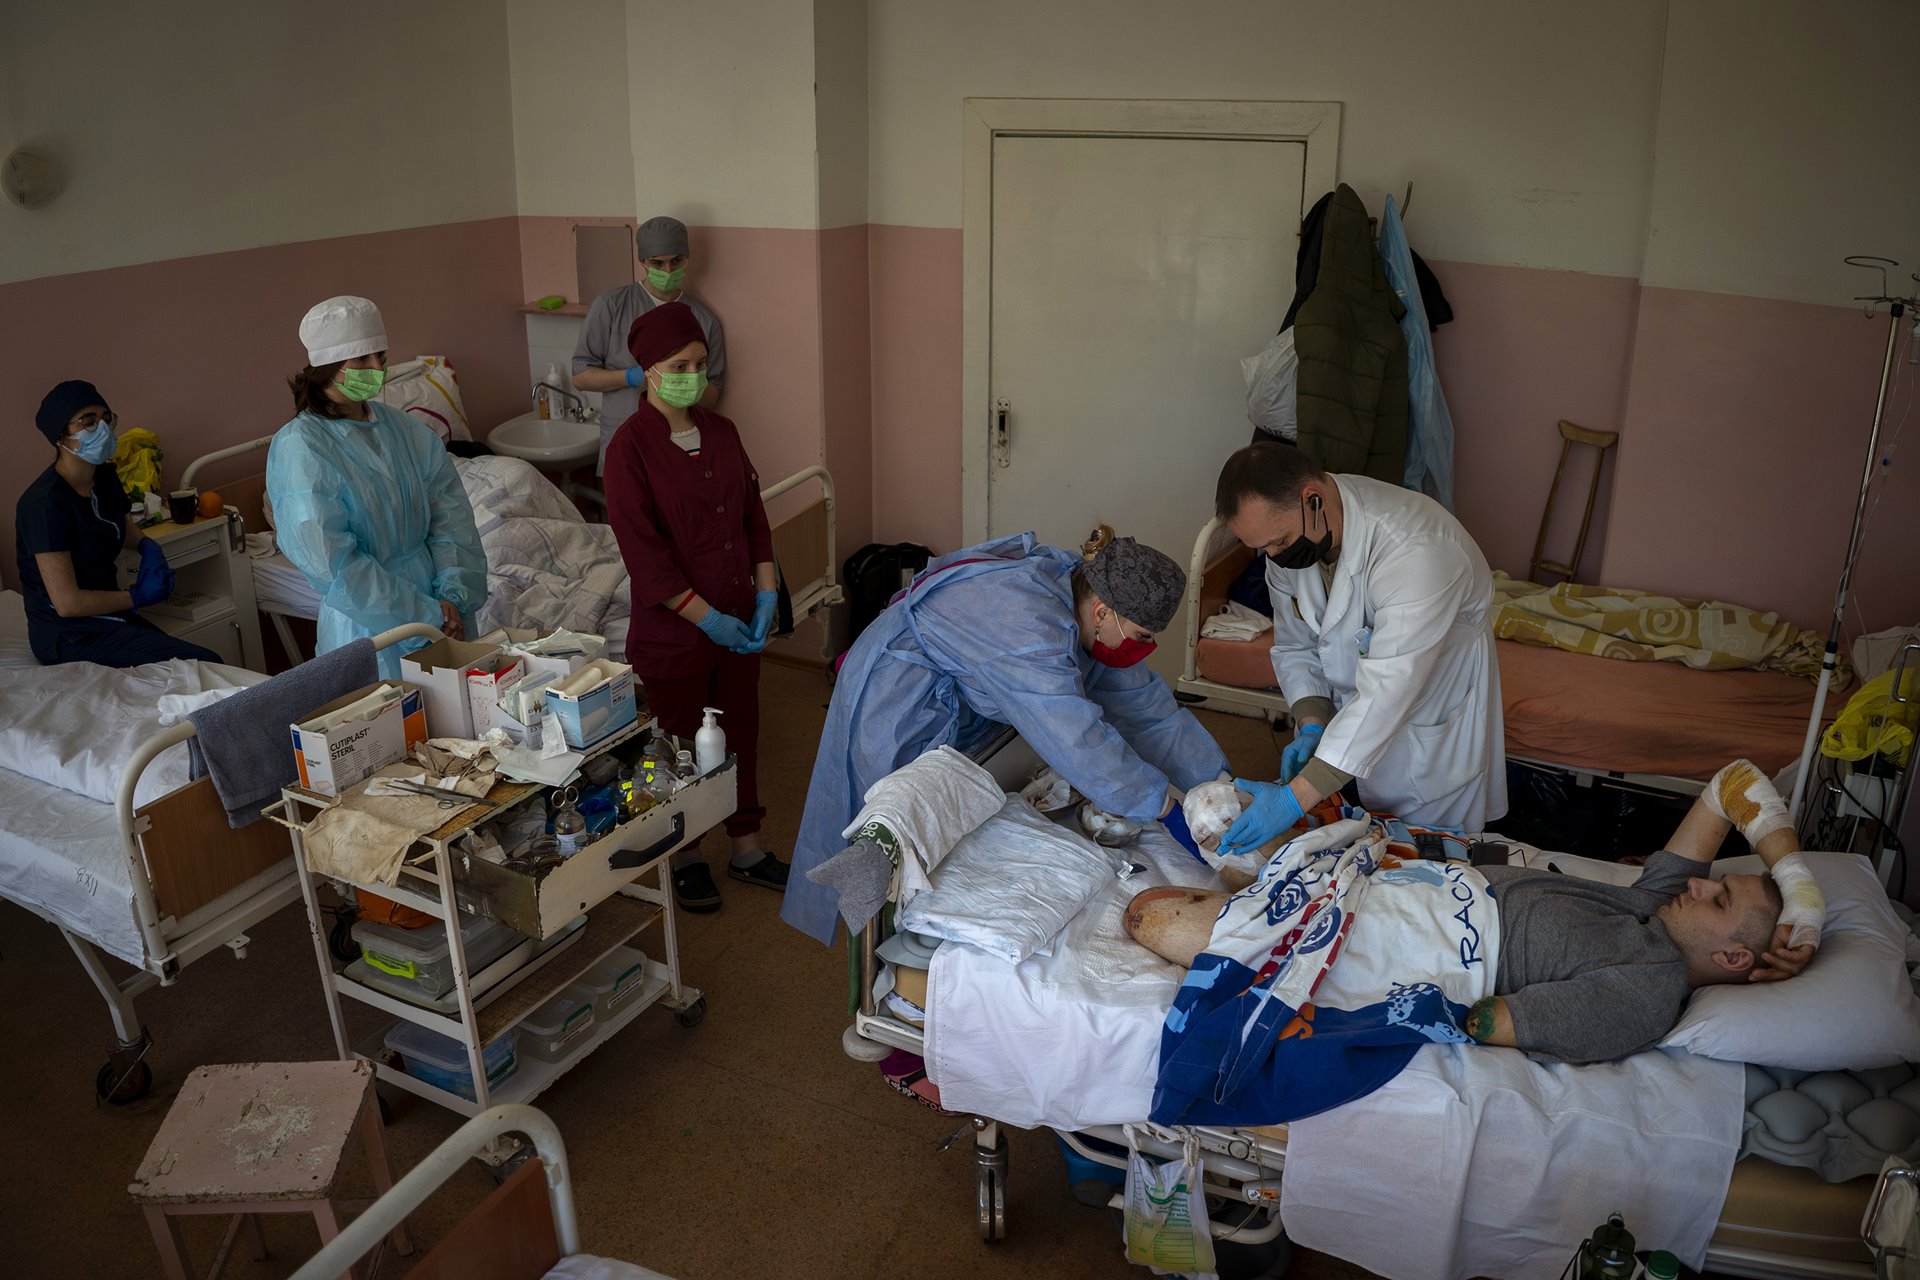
{"points": [[1607, 715]]}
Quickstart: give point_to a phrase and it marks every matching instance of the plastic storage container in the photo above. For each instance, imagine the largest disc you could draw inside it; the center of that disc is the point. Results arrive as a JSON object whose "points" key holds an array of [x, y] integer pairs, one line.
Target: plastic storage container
{"points": [[611, 986], [550, 1031], [421, 958], [441, 1061]]}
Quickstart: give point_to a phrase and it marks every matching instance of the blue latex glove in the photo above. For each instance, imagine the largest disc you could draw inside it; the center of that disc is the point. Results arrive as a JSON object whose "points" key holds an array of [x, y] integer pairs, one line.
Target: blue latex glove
{"points": [[1306, 740], [766, 605], [153, 583], [635, 376], [727, 631], [1274, 810], [1176, 824], [151, 553]]}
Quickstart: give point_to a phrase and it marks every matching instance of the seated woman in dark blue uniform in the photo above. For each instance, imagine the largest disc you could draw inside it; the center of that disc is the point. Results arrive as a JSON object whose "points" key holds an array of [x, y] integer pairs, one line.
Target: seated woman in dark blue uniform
{"points": [[70, 526]]}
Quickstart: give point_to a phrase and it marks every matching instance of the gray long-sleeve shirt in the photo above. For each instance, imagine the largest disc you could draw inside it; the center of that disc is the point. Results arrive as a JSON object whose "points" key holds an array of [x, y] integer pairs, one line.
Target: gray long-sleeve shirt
{"points": [[1587, 972], [603, 345]]}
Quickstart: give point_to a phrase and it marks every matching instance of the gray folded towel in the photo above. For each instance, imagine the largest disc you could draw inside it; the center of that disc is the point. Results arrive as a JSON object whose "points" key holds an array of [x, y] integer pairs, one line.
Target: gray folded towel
{"points": [[861, 872], [242, 742]]}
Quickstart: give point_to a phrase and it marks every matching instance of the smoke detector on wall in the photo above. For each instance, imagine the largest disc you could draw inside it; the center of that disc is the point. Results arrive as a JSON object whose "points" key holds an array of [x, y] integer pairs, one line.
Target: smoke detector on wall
{"points": [[30, 179]]}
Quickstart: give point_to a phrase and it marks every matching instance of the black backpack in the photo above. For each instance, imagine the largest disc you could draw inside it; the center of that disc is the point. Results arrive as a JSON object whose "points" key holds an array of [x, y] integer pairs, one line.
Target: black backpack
{"points": [[874, 575]]}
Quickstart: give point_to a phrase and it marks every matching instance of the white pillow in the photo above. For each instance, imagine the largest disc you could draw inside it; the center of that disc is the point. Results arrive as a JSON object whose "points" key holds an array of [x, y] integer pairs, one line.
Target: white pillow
{"points": [[1010, 885], [1853, 1006], [427, 388]]}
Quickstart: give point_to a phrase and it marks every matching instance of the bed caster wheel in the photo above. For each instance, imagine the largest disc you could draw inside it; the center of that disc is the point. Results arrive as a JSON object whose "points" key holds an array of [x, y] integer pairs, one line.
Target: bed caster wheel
{"points": [[120, 1085], [990, 1192], [693, 1014]]}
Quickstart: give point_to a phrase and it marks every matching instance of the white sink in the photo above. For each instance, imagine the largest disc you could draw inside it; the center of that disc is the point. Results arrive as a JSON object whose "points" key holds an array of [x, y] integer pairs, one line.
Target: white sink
{"points": [[557, 443]]}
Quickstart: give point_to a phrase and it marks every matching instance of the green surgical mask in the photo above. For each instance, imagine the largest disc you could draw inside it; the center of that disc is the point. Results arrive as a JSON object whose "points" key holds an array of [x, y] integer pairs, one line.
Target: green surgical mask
{"points": [[683, 389], [361, 384], [666, 281]]}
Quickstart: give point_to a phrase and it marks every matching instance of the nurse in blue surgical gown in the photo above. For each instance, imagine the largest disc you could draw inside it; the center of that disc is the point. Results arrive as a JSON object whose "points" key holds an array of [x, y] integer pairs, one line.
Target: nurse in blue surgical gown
{"points": [[1009, 632], [365, 500]]}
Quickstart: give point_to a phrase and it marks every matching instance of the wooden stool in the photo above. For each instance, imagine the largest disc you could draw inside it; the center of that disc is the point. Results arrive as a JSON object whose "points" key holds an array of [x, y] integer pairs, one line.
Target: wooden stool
{"points": [[259, 1137]]}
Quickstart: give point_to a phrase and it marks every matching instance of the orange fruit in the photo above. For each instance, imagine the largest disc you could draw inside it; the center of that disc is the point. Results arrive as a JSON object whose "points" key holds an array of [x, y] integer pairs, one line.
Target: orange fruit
{"points": [[211, 505]]}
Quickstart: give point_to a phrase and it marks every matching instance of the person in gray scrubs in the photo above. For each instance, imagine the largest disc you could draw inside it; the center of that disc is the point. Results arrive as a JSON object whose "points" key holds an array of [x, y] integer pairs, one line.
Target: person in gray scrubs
{"points": [[600, 359]]}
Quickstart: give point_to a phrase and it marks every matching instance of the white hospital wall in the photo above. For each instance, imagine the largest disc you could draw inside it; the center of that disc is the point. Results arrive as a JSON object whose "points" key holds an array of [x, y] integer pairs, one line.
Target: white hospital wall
{"points": [[1526, 129], [1524, 126], [1786, 142], [229, 164], [572, 148], [1789, 137], [207, 126]]}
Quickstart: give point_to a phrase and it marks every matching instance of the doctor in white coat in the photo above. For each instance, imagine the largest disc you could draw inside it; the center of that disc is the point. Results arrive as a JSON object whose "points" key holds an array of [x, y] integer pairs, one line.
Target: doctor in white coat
{"points": [[1383, 645]]}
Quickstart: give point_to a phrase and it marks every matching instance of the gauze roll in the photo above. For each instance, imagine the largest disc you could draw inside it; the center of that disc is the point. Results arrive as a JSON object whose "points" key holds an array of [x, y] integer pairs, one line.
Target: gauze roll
{"points": [[1805, 908]]}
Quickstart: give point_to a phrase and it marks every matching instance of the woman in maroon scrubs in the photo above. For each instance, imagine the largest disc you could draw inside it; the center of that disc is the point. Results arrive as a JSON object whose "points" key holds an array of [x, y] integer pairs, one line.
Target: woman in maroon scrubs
{"points": [[684, 500]]}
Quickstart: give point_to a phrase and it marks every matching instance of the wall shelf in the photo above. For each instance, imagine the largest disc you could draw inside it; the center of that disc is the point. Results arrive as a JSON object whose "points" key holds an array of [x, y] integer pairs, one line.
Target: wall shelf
{"points": [[569, 309]]}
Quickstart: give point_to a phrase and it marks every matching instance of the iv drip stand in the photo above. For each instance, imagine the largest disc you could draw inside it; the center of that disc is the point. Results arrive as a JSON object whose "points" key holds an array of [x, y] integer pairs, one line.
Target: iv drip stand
{"points": [[1898, 307]]}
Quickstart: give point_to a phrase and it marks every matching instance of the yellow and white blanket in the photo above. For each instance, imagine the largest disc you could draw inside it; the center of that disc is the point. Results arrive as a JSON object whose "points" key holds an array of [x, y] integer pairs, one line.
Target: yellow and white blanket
{"points": [[1635, 626]]}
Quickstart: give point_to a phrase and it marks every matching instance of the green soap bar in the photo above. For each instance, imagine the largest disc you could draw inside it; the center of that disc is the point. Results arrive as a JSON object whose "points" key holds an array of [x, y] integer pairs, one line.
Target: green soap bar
{"points": [[552, 302]]}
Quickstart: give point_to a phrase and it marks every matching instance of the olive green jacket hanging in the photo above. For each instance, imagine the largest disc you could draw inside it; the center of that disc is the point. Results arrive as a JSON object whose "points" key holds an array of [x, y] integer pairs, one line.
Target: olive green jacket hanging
{"points": [[1353, 358]]}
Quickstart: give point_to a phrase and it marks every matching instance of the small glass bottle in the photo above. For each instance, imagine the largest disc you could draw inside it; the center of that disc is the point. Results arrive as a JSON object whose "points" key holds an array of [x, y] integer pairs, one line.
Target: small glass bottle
{"points": [[684, 769], [658, 784], [569, 826], [624, 791]]}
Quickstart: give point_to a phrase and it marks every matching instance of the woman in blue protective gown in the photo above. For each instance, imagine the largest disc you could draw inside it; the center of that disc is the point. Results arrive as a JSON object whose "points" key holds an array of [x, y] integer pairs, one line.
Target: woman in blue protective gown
{"points": [[364, 499], [1017, 633]]}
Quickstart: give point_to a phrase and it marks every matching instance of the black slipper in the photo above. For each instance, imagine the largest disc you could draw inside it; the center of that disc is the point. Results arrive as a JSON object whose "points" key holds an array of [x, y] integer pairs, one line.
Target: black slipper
{"points": [[768, 873], [694, 889]]}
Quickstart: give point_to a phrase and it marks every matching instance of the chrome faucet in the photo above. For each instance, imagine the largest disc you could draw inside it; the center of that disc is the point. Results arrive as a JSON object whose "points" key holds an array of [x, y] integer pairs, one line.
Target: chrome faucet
{"points": [[577, 411]]}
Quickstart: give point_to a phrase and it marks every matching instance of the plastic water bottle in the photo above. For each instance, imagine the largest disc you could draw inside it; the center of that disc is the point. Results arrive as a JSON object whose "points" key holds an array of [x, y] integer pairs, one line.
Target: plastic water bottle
{"points": [[569, 825]]}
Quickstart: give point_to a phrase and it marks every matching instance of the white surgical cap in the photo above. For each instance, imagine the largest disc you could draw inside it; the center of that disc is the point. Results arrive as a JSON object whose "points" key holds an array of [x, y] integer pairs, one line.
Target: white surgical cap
{"points": [[342, 328]]}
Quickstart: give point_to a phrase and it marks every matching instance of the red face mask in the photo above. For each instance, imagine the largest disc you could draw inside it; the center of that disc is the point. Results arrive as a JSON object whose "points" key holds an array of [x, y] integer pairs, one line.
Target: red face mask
{"points": [[1127, 653]]}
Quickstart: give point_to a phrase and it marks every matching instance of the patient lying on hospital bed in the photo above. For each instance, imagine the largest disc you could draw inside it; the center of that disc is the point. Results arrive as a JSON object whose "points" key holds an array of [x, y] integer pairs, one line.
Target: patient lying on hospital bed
{"points": [[1592, 972]]}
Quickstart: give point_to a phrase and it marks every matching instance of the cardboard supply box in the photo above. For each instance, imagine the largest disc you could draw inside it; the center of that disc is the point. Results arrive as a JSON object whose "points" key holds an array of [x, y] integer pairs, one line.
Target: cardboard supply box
{"points": [[603, 710], [333, 753], [439, 672], [485, 682], [512, 638]]}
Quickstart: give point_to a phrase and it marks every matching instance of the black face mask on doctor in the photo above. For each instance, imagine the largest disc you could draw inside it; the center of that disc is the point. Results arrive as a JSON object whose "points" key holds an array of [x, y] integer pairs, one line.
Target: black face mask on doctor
{"points": [[1303, 551]]}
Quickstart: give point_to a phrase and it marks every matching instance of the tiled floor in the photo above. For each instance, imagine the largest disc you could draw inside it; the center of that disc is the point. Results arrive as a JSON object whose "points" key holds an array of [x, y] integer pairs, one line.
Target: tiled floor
{"points": [[747, 1146]]}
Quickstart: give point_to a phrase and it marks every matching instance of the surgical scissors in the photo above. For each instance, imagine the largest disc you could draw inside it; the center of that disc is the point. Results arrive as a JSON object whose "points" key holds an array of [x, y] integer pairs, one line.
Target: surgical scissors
{"points": [[448, 799]]}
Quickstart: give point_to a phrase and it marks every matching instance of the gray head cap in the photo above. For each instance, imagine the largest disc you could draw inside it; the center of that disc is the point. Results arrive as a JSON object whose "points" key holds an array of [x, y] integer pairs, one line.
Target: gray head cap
{"points": [[1142, 585], [661, 237]]}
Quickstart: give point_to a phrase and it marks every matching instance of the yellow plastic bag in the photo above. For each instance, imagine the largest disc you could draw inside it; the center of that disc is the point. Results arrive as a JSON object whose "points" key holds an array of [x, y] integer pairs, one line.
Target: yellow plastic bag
{"points": [[1874, 723], [137, 460]]}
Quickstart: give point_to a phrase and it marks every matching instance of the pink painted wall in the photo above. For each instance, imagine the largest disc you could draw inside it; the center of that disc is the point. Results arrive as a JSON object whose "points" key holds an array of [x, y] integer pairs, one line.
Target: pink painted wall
{"points": [[1527, 348], [1748, 427], [198, 349], [547, 261], [916, 293]]}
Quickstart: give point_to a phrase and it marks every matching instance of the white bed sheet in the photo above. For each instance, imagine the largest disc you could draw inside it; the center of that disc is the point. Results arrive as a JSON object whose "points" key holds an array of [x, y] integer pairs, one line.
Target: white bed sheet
{"points": [[278, 587], [75, 725], [61, 858], [1072, 1040]]}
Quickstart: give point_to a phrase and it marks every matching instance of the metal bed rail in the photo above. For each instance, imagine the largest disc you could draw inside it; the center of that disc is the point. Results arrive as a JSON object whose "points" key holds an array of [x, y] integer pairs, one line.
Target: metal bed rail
{"points": [[1191, 685], [364, 1234], [164, 953]]}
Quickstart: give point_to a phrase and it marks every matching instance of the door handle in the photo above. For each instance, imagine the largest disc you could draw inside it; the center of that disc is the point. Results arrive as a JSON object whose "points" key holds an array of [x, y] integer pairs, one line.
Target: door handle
{"points": [[1002, 431]]}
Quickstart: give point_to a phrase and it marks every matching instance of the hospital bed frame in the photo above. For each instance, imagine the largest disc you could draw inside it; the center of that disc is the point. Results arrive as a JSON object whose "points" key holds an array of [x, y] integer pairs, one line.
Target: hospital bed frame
{"points": [[182, 859], [1243, 1165], [1213, 552], [803, 543], [518, 1233]]}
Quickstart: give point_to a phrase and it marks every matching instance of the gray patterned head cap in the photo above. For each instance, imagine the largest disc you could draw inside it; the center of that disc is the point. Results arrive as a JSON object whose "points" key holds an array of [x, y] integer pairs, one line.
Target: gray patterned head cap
{"points": [[1140, 584]]}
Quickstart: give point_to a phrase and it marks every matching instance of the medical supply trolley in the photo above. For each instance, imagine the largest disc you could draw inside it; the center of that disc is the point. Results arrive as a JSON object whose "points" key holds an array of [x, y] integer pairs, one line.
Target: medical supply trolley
{"points": [[579, 919]]}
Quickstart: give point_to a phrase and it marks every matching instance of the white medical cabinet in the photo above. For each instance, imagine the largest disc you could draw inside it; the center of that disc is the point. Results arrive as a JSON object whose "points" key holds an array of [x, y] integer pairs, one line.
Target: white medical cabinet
{"points": [[212, 603], [620, 884]]}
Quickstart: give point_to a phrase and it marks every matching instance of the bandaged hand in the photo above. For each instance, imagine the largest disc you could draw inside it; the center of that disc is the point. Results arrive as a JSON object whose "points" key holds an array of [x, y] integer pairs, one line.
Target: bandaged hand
{"points": [[1805, 908]]}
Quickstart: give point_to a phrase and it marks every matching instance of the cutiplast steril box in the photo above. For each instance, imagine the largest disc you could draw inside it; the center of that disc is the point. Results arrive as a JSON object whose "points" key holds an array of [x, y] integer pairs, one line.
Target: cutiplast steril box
{"points": [[351, 737]]}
